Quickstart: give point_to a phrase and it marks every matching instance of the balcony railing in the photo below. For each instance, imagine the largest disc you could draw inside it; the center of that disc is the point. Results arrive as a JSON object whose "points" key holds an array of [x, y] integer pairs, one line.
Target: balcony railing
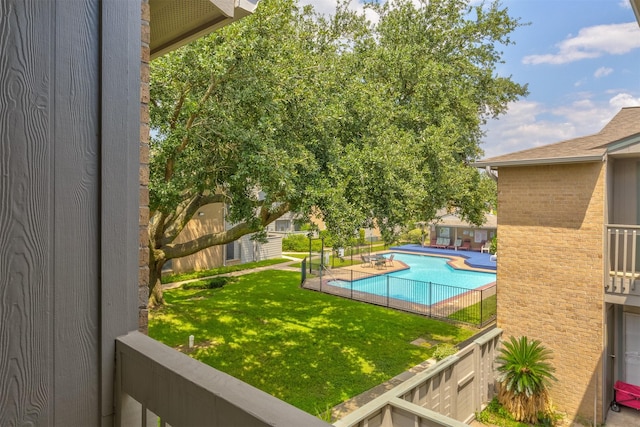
{"points": [[623, 257], [158, 386], [446, 395]]}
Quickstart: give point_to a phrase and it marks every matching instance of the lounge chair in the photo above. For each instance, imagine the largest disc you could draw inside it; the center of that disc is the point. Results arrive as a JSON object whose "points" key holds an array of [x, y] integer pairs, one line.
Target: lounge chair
{"points": [[455, 245], [389, 260], [443, 242], [485, 246], [365, 261], [466, 245]]}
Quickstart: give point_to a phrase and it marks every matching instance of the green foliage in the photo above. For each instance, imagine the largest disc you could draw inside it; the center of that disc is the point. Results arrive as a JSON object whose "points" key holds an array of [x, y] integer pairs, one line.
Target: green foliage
{"points": [[416, 235], [478, 313], [524, 373], [324, 414], [494, 245], [364, 124], [213, 283], [444, 350], [299, 243], [362, 239], [523, 366], [495, 414], [310, 349]]}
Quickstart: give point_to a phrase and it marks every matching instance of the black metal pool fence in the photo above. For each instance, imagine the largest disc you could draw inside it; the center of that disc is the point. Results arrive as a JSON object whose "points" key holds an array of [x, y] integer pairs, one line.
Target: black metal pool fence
{"points": [[472, 306]]}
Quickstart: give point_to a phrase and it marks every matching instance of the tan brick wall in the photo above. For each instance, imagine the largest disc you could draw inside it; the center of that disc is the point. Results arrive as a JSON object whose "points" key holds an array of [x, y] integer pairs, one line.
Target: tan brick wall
{"points": [[143, 277], [550, 280]]}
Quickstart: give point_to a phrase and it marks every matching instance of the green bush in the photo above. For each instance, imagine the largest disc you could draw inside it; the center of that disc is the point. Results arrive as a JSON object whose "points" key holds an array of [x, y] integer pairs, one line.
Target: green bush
{"points": [[296, 243], [493, 248], [415, 236], [444, 350], [361, 237], [213, 283], [300, 243]]}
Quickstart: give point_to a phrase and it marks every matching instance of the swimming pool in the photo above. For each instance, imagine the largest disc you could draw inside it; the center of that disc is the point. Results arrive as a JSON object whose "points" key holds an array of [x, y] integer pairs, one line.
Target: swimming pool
{"points": [[429, 280]]}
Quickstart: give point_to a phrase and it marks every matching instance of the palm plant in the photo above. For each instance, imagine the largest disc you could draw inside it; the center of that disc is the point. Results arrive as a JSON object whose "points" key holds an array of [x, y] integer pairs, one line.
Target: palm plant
{"points": [[525, 375]]}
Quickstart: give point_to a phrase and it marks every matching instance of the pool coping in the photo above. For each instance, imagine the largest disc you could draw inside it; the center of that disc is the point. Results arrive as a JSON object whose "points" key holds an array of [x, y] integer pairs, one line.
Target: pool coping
{"points": [[472, 259]]}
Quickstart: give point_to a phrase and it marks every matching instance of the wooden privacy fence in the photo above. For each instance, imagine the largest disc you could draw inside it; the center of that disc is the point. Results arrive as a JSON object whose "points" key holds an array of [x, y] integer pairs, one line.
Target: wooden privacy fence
{"points": [[447, 394]]}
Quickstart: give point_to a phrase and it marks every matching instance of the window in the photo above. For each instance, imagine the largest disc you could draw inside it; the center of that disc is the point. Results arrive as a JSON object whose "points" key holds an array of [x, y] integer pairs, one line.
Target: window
{"points": [[230, 251]]}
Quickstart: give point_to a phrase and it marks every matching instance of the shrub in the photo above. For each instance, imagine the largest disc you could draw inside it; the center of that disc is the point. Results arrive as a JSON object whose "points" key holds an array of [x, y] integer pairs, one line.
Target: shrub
{"points": [[300, 243], [296, 243], [414, 236], [213, 283], [525, 375], [444, 350], [495, 414]]}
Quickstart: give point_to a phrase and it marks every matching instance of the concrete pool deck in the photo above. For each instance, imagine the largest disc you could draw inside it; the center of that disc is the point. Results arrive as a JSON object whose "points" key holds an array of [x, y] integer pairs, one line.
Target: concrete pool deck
{"points": [[475, 260], [472, 261]]}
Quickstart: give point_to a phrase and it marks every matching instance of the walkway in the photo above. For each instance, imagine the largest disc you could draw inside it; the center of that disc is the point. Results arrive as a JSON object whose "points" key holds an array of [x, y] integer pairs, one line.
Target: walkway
{"points": [[280, 266]]}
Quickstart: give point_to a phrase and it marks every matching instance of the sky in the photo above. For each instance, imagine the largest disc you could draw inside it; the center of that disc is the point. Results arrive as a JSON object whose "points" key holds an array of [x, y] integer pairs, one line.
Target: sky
{"points": [[580, 59]]}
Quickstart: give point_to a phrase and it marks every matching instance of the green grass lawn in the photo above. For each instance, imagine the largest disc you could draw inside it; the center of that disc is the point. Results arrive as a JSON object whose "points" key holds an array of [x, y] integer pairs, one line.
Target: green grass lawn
{"points": [[478, 313], [306, 348]]}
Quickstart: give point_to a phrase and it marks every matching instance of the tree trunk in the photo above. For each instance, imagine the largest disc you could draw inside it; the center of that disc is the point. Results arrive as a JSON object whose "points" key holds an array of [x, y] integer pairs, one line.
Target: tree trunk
{"points": [[155, 285]]}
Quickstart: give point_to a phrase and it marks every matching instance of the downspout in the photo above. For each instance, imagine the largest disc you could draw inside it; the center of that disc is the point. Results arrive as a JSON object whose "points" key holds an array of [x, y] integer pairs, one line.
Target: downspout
{"points": [[595, 403], [491, 174]]}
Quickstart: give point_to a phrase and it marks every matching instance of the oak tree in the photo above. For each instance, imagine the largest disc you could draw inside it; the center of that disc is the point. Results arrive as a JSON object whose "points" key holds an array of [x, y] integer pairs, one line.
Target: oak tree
{"points": [[363, 123]]}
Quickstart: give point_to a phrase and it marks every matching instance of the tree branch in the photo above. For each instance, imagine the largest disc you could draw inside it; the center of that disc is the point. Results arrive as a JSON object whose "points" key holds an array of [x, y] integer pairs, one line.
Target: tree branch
{"points": [[175, 226], [179, 250], [169, 166]]}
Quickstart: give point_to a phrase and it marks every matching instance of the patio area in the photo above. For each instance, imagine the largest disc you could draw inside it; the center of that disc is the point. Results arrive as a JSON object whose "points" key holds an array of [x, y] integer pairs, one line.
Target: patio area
{"points": [[625, 418], [472, 259]]}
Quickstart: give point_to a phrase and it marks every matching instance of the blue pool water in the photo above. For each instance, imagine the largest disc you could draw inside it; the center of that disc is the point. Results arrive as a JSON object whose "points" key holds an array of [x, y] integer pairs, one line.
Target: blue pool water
{"points": [[435, 269], [428, 280]]}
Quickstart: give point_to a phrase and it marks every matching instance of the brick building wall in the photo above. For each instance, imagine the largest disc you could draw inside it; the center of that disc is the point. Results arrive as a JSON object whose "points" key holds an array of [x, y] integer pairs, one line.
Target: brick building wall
{"points": [[143, 277], [550, 244]]}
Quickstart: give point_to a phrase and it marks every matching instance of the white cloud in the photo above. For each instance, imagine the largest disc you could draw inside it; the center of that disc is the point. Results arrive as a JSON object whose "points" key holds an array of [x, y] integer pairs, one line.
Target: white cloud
{"points": [[622, 100], [325, 7], [530, 124], [523, 127], [602, 71], [592, 42], [328, 7], [625, 4]]}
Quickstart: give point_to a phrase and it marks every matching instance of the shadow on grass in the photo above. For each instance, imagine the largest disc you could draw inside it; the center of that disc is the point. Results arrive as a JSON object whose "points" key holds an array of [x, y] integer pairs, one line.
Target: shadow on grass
{"points": [[306, 348]]}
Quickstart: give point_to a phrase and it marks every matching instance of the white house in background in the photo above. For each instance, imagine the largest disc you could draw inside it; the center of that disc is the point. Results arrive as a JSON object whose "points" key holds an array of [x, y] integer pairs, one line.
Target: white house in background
{"points": [[449, 226]]}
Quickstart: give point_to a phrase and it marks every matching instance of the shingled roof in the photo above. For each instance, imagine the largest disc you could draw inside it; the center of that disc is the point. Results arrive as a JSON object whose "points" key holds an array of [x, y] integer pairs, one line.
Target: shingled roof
{"points": [[625, 124], [447, 219]]}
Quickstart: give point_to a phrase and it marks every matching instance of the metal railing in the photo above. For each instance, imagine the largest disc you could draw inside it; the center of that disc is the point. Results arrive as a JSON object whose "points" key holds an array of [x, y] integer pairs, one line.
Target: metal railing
{"points": [[623, 257], [472, 306], [156, 385]]}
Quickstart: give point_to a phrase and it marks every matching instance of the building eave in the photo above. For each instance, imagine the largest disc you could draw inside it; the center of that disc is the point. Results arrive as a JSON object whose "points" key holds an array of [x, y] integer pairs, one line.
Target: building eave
{"points": [[539, 162], [175, 23], [635, 5]]}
